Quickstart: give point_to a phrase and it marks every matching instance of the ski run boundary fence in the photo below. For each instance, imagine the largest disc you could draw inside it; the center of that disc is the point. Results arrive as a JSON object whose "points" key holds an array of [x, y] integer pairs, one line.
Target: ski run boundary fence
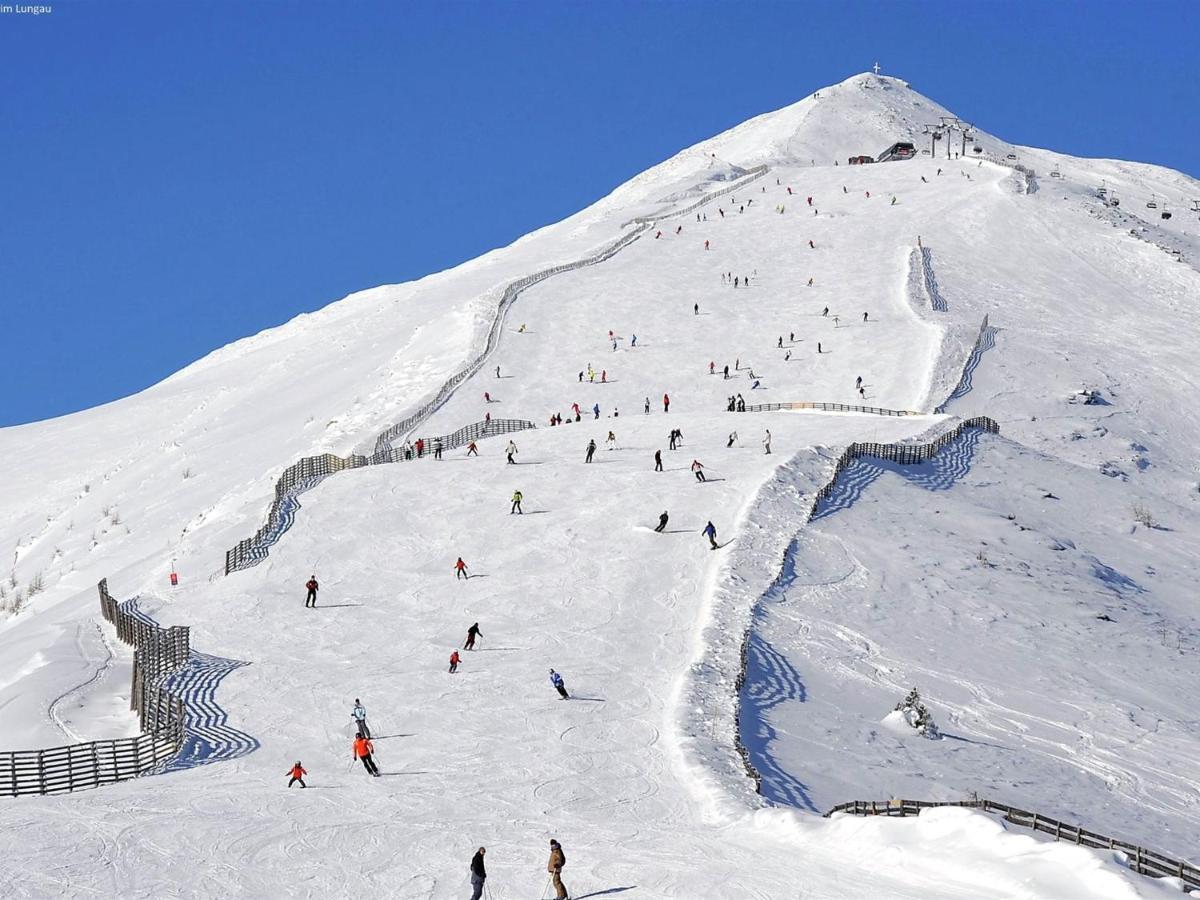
{"points": [[903, 454], [831, 407], [1140, 859], [59, 770], [310, 471]]}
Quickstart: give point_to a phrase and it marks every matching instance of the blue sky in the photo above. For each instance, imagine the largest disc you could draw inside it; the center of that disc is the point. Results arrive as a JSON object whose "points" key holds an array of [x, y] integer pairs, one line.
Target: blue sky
{"points": [[176, 175]]}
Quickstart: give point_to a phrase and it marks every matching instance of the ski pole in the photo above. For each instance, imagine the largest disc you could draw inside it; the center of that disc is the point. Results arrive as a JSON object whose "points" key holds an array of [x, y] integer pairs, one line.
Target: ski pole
{"points": [[546, 889]]}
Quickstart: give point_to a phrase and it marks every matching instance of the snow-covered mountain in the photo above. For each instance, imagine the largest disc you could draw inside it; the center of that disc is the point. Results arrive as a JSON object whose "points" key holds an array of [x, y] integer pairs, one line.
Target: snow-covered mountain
{"points": [[1015, 580]]}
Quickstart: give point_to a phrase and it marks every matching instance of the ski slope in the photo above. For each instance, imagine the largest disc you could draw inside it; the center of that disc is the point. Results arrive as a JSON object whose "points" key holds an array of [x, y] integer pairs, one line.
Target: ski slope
{"points": [[637, 775]]}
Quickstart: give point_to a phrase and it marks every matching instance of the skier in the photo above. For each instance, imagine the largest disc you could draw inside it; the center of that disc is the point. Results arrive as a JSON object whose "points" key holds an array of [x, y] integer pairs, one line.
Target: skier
{"points": [[591, 449], [437, 448], [812, 246], [671, 440], [736, 281], [858, 381], [557, 681], [487, 397], [825, 311], [604, 376], [359, 715], [698, 470], [478, 873], [575, 409], [741, 404], [712, 367], [596, 410], [864, 317], [819, 347], [726, 371], [472, 450], [662, 522], [311, 599], [779, 343], [472, 633], [767, 440], [732, 438], [297, 772], [460, 570], [647, 406], [810, 201], [516, 503], [791, 337], [610, 442], [509, 452], [633, 343], [658, 461], [666, 403], [363, 748], [893, 201], [558, 859], [710, 532], [706, 245], [454, 661], [696, 306]]}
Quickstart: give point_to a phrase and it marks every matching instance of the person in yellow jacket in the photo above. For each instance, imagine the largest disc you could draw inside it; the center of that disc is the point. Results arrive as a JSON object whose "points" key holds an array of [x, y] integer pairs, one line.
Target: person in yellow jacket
{"points": [[516, 503], [558, 859]]}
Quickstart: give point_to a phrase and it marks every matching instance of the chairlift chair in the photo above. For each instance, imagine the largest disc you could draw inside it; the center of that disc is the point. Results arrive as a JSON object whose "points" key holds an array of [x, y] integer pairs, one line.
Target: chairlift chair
{"points": [[1153, 204], [1056, 173], [976, 149]]}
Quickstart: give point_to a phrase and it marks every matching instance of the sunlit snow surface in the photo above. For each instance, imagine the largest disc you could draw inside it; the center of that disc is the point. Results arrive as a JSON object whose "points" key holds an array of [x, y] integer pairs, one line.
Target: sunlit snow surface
{"points": [[922, 579]]}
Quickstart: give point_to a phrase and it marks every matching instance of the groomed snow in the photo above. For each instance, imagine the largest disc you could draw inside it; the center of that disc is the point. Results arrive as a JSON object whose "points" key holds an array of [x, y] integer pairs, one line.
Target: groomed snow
{"points": [[636, 775]]}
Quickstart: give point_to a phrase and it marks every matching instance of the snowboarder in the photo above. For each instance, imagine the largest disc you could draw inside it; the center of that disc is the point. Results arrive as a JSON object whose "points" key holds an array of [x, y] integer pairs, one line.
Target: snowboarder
{"points": [[559, 685], [297, 772], [311, 599], [359, 715], [696, 306], [658, 461], [516, 503], [819, 347], [454, 661], [767, 440], [472, 633], [478, 873], [472, 450], [558, 859], [460, 570], [363, 748], [698, 470], [666, 403], [662, 522], [732, 438], [591, 449], [509, 452], [710, 532]]}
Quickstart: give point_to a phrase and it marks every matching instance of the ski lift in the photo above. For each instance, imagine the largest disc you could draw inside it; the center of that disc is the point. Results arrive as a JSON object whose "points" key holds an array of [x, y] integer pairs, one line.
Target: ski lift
{"points": [[1056, 173], [1114, 200], [976, 149], [1165, 214], [1011, 156], [1153, 204]]}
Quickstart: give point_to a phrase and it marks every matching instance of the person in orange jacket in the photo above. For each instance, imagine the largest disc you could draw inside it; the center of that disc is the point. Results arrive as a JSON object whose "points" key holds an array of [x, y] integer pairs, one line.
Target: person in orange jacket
{"points": [[454, 660], [363, 748], [297, 772]]}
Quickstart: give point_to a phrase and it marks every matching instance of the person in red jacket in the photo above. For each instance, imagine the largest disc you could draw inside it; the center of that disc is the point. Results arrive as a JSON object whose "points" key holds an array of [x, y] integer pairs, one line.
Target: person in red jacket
{"points": [[666, 403], [460, 569], [297, 772], [454, 659], [311, 599], [363, 748]]}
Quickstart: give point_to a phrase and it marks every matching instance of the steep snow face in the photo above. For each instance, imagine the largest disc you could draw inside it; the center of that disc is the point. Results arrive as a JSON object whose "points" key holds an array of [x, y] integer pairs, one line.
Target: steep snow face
{"points": [[579, 581]]}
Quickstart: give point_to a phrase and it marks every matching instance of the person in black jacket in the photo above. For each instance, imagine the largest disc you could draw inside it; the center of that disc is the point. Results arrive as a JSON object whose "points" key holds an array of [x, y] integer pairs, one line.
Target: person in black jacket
{"points": [[662, 522], [472, 633], [478, 873]]}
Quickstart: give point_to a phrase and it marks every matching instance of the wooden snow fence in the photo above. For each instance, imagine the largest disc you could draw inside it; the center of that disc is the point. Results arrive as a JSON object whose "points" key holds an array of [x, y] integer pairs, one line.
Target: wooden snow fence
{"points": [[1141, 859], [59, 770]]}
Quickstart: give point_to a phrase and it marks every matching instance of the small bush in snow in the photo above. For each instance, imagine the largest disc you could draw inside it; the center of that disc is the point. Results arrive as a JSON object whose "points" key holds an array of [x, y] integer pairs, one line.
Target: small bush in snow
{"points": [[917, 716], [1142, 516]]}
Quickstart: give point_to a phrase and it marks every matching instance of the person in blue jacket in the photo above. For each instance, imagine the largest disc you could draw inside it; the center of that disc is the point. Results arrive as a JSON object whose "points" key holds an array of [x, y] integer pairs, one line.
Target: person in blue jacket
{"points": [[557, 681], [710, 532]]}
